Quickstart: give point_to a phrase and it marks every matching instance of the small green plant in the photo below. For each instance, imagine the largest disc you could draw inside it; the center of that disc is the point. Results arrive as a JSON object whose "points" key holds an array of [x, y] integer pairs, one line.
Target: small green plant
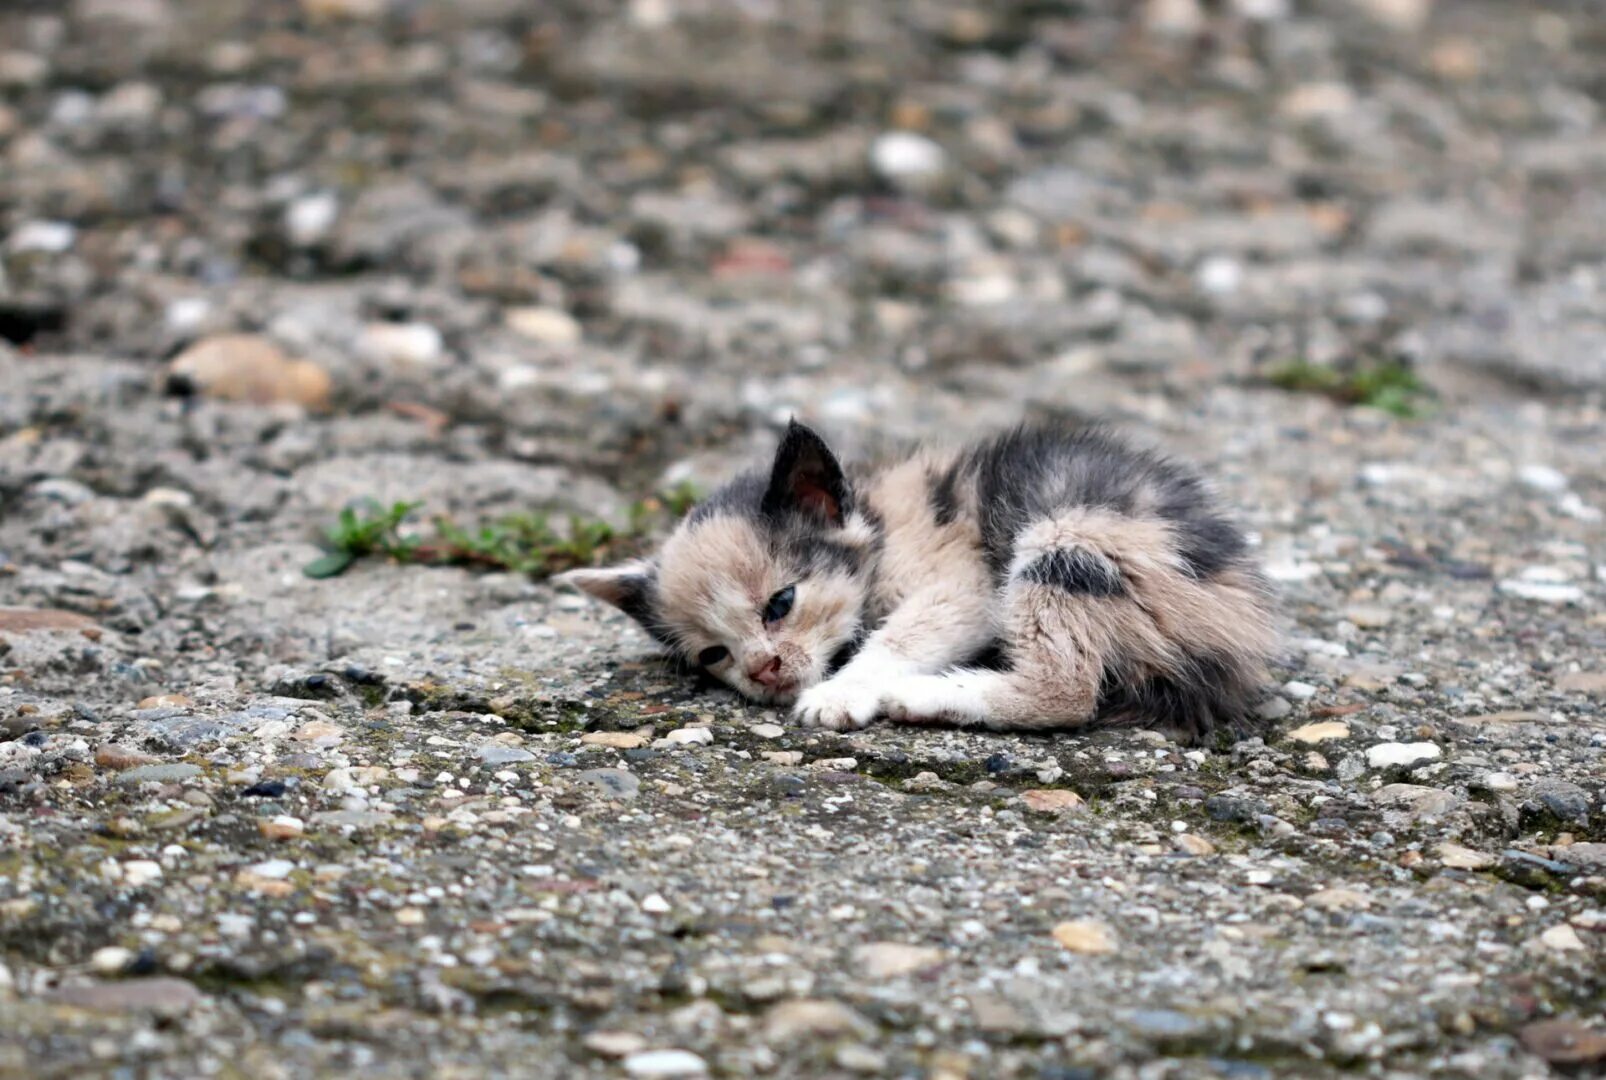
{"points": [[1381, 384], [521, 543]]}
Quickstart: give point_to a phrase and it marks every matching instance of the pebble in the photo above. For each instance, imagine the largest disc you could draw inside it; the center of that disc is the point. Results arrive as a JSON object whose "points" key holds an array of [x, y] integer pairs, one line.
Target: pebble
{"points": [[616, 783], [111, 960], [789, 1021], [1322, 731], [1193, 844], [1562, 938], [619, 740], [402, 346], [1086, 937], [1299, 691], [655, 905], [114, 756], [1564, 1042], [1274, 708], [160, 774], [767, 731], [1395, 755], [614, 1044], [1542, 478], [1420, 803], [43, 237], [690, 736], [283, 827], [246, 368], [907, 158], [309, 219], [546, 325], [160, 996], [1462, 858], [664, 1064], [894, 960], [1369, 616], [141, 872], [1498, 782], [497, 754], [1051, 800]]}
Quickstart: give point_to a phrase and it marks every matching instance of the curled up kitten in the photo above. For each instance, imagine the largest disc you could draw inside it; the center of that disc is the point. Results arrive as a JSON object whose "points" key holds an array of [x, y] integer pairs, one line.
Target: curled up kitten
{"points": [[1044, 578]]}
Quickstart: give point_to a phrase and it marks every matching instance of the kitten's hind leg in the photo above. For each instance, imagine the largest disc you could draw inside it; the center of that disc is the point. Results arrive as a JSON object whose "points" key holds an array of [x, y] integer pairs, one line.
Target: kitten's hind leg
{"points": [[1091, 593]]}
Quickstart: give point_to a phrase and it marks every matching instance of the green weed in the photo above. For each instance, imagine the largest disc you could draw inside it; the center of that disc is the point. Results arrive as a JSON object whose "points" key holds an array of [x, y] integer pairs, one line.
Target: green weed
{"points": [[522, 543], [1381, 384]]}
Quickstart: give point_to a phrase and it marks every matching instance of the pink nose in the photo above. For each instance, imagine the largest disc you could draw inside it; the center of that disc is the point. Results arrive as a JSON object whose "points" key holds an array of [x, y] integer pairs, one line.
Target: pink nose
{"points": [[766, 672]]}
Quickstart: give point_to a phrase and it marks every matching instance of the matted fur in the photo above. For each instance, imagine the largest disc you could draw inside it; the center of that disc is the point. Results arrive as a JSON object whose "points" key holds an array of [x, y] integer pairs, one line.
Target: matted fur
{"points": [[1104, 583]]}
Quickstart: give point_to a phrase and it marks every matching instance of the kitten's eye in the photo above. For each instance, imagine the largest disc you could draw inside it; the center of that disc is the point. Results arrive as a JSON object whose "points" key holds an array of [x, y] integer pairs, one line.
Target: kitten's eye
{"points": [[712, 655], [780, 604]]}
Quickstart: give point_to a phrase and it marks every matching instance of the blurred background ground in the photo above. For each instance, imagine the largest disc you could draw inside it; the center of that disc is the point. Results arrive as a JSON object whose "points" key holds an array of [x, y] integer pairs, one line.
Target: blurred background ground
{"points": [[259, 260]]}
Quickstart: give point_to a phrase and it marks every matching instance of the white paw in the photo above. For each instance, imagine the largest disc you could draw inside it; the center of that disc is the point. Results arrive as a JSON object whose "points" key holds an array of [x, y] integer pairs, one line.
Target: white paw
{"points": [[928, 698], [838, 704]]}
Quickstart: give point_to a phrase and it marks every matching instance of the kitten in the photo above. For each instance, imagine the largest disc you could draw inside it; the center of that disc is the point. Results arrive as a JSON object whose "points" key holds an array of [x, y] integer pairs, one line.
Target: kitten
{"points": [[1044, 578]]}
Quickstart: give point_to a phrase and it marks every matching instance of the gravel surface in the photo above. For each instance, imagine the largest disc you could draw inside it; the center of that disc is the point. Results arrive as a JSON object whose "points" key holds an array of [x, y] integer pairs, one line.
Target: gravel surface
{"points": [[259, 260]]}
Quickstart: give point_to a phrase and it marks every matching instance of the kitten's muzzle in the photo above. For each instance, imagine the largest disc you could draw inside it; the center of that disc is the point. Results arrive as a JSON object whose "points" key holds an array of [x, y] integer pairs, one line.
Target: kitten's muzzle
{"points": [[766, 672]]}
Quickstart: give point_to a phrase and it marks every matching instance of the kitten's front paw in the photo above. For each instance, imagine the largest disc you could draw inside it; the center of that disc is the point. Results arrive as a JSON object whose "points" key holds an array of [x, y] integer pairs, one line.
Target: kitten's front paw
{"points": [[838, 704]]}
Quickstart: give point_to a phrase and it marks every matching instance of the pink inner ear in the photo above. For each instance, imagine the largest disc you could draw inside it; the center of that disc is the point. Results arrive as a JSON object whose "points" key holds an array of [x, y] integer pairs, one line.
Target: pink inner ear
{"points": [[816, 498]]}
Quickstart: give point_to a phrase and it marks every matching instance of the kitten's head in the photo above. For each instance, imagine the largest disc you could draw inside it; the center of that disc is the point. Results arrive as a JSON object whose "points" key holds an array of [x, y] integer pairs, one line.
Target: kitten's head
{"points": [[764, 584]]}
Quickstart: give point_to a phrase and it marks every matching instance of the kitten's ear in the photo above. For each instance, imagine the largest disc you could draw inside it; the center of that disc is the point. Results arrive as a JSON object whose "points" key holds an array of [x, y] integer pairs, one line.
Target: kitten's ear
{"points": [[628, 587], [806, 478]]}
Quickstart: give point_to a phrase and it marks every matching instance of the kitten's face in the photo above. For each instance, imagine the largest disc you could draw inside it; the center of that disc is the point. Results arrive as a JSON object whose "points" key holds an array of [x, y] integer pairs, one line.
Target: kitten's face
{"points": [[765, 584]]}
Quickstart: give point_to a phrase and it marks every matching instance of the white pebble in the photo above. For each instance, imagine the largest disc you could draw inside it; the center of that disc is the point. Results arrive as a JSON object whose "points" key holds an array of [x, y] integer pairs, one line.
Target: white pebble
{"points": [[1384, 755], [655, 905], [47, 237], [690, 736], [1220, 275], [1299, 691], [905, 156], [307, 221], [1542, 478], [664, 1064], [111, 959]]}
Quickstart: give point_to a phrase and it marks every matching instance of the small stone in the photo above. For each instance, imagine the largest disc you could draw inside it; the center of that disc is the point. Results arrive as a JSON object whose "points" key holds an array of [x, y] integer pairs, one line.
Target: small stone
{"points": [[1457, 857], [1564, 1042], [1193, 844], [616, 783], [1498, 782], [546, 325], [767, 731], [894, 960], [813, 1019], [160, 996], [906, 158], [353, 780], [1051, 800], [410, 916], [164, 701], [785, 757], [42, 237], [404, 347], [1562, 938], [614, 1044], [283, 827], [1398, 755], [138, 873], [858, 1058], [309, 219], [1542, 478], [1592, 683], [319, 731], [1323, 731], [664, 1064], [655, 905], [160, 774], [1274, 708], [618, 740], [1299, 691], [498, 754], [1338, 899], [111, 960], [1086, 937], [690, 736], [1545, 592], [247, 368], [1369, 616], [29, 620], [1420, 803], [116, 757]]}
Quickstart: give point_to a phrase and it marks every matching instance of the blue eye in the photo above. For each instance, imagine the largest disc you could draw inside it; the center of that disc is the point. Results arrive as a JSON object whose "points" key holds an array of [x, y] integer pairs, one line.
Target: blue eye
{"points": [[712, 655], [780, 604]]}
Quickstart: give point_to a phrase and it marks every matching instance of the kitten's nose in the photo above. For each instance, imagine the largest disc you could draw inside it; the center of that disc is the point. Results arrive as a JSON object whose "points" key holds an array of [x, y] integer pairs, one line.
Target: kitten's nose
{"points": [[766, 672]]}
